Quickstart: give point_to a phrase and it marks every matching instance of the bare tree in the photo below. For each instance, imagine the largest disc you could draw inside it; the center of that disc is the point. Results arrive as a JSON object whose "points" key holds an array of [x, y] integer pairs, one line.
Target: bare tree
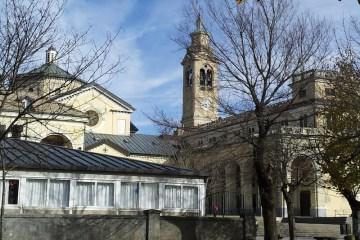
{"points": [[27, 28], [259, 47], [293, 155]]}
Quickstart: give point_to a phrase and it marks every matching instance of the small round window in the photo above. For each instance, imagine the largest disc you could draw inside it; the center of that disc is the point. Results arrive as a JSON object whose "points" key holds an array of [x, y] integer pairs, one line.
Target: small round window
{"points": [[93, 117]]}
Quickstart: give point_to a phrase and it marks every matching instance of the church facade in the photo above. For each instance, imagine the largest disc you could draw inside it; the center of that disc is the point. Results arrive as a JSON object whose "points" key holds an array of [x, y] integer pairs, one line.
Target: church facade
{"points": [[67, 111], [217, 146]]}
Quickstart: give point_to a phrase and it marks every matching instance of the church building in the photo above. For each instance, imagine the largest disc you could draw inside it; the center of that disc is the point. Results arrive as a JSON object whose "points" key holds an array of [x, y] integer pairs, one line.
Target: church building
{"points": [[216, 145], [70, 112]]}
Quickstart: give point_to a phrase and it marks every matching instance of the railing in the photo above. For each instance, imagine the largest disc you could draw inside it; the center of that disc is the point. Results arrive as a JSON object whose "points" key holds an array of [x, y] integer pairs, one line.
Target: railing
{"points": [[232, 204], [228, 203]]}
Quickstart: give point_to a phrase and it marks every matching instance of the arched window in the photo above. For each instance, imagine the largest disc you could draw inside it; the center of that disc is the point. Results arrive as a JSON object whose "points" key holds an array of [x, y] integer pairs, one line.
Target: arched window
{"points": [[57, 140], [189, 77], [209, 78], [303, 171], [202, 77]]}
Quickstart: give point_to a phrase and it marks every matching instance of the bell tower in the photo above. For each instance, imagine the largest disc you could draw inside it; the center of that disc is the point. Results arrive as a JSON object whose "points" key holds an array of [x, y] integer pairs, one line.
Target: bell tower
{"points": [[200, 94]]}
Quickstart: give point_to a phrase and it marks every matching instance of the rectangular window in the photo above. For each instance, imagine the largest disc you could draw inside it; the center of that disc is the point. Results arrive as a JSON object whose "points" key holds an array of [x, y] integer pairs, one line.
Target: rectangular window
{"points": [[16, 130], [303, 121], [149, 196], [105, 195], [36, 192], [59, 191], [129, 195], [121, 126], [85, 194], [172, 196], [190, 198], [12, 191], [2, 128]]}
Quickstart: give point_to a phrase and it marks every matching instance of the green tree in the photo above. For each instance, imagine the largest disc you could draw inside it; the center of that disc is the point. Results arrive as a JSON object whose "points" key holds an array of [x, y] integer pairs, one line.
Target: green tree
{"points": [[339, 146]]}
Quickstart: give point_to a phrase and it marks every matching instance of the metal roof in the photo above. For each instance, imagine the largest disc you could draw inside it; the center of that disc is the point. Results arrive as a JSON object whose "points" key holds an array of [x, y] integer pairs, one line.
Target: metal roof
{"points": [[25, 155], [51, 70], [134, 144]]}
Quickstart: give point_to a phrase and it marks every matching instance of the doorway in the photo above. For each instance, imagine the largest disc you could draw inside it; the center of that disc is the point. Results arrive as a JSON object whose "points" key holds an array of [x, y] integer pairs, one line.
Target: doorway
{"points": [[305, 203]]}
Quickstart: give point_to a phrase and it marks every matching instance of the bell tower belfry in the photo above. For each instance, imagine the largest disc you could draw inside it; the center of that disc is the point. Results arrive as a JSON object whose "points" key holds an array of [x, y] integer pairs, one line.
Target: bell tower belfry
{"points": [[200, 94]]}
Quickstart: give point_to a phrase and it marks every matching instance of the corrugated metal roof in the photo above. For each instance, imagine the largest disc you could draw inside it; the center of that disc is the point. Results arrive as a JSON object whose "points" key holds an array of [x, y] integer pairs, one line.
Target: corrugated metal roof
{"points": [[20, 154], [133, 144]]}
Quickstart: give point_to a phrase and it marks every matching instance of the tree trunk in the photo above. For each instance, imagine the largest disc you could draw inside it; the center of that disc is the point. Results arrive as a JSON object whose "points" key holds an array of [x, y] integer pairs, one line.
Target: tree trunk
{"points": [[355, 221], [291, 216], [269, 213], [267, 189], [355, 210]]}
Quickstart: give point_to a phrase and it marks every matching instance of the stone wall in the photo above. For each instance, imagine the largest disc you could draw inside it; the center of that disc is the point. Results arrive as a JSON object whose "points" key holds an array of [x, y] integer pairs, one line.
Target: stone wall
{"points": [[205, 228], [59, 227], [147, 226]]}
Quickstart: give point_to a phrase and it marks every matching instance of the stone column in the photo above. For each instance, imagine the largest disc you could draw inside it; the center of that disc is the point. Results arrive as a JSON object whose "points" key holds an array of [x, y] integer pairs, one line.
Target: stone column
{"points": [[152, 224]]}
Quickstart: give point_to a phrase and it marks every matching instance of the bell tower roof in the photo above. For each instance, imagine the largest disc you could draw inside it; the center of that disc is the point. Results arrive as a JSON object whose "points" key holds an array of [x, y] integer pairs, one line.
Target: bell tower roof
{"points": [[199, 24], [199, 37]]}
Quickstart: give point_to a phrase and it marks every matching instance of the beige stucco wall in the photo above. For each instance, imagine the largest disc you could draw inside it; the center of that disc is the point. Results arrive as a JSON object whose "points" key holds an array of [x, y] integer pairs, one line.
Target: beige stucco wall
{"points": [[109, 111], [57, 85], [39, 129], [334, 204]]}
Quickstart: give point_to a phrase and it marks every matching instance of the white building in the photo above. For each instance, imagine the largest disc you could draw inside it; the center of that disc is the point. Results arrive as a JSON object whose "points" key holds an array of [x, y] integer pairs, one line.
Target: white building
{"points": [[50, 179]]}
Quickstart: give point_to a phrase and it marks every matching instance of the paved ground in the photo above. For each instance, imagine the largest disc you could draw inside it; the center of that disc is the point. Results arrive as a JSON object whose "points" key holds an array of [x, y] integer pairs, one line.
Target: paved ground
{"points": [[286, 238]]}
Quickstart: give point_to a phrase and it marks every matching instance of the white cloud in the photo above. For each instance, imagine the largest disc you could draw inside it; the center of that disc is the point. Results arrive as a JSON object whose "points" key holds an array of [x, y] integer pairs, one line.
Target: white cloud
{"points": [[149, 81], [143, 84]]}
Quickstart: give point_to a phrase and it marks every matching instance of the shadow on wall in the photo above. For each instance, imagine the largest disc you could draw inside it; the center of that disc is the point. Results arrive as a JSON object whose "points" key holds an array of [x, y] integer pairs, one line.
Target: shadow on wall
{"points": [[75, 228], [203, 228], [149, 226]]}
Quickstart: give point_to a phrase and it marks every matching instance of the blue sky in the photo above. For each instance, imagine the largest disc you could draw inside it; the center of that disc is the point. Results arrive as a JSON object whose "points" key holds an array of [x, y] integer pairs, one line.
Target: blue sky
{"points": [[152, 77]]}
